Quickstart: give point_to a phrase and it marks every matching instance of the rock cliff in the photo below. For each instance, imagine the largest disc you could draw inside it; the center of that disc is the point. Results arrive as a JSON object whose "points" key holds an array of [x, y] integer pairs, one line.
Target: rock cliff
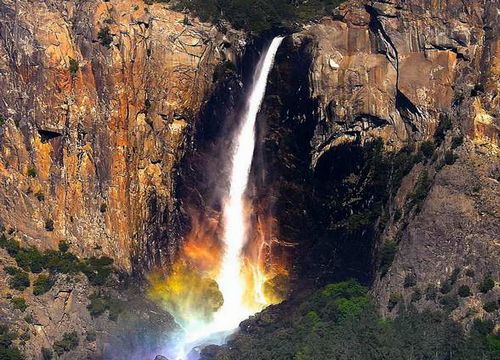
{"points": [[97, 99], [422, 76], [379, 154]]}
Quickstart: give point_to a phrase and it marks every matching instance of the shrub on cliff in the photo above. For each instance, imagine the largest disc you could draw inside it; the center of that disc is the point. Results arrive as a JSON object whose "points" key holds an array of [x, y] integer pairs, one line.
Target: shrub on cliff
{"points": [[310, 330], [7, 349], [19, 303], [68, 342], [486, 284], [427, 148], [49, 225], [464, 291], [421, 190], [387, 254], [105, 37], [97, 270], [258, 16], [100, 303], [19, 280], [443, 127], [47, 354], [42, 284]]}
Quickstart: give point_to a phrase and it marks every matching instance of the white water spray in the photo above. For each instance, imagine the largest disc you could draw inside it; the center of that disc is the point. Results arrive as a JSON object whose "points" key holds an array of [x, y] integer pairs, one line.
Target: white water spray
{"points": [[235, 231], [230, 281]]}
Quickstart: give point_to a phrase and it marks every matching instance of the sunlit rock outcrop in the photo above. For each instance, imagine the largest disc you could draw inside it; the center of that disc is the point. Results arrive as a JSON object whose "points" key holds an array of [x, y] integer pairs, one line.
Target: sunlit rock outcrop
{"points": [[97, 98]]}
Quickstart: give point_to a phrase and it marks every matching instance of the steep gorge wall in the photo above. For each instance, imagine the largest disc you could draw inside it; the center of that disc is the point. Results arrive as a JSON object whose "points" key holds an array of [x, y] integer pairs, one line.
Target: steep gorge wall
{"points": [[97, 99], [390, 70]]}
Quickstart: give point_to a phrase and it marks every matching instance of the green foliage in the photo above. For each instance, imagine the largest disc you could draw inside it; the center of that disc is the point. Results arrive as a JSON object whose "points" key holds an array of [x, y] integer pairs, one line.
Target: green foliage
{"points": [[486, 284], [68, 342], [421, 190], [258, 16], [449, 302], [416, 296], [32, 172], [431, 293], [103, 208], [47, 354], [30, 259], [19, 303], [29, 318], [7, 349], [464, 291], [63, 246], [394, 299], [313, 330], [100, 303], [105, 37], [2, 120], [450, 157], [427, 148], [97, 270], [43, 284], [11, 245], [74, 66], [19, 280], [49, 225], [490, 306], [62, 261], [387, 254], [448, 284], [410, 280]]}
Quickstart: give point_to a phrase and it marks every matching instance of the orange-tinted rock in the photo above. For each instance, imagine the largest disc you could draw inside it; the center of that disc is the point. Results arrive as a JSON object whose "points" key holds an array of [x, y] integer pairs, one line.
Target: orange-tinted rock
{"points": [[105, 132]]}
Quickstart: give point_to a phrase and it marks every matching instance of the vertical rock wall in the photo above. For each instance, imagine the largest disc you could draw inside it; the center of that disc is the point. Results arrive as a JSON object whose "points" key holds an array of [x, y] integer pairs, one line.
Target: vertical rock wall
{"points": [[96, 100]]}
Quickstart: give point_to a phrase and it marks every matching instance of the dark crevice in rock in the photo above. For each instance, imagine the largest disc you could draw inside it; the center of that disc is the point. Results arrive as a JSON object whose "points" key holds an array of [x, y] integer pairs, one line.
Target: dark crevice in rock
{"points": [[47, 135]]}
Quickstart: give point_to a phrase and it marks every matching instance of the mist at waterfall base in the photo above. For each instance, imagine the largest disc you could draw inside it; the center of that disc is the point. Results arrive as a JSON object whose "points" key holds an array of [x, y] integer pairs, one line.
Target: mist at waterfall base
{"points": [[223, 273]]}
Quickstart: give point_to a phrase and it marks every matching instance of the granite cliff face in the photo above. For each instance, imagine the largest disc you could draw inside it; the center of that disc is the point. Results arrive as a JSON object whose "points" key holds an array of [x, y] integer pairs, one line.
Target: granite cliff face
{"points": [[416, 75], [107, 106], [97, 99]]}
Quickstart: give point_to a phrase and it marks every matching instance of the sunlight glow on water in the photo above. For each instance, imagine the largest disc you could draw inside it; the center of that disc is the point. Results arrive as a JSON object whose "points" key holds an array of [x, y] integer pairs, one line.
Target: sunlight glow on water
{"points": [[236, 306]]}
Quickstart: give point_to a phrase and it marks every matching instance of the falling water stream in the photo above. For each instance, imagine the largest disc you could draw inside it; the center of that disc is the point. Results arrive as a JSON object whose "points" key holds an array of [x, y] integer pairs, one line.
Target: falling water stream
{"points": [[230, 281]]}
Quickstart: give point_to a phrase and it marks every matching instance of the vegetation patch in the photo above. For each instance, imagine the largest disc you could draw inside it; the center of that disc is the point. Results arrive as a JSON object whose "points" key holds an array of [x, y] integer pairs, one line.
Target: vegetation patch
{"points": [[394, 300], [105, 37], [97, 269], [427, 149], [8, 351], [100, 303], [43, 284], [47, 354], [443, 127], [491, 306], [19, 280], [421, 190], [74, 66], [68, 342], [19, 303], [258, 16], [464, 291], [315, 329], [410, 280], [486, 284]]}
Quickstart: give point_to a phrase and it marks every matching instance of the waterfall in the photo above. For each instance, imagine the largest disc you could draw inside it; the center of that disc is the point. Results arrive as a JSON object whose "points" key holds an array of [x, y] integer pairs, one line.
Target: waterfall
{"points": [[235, 221], [235, 232]]}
